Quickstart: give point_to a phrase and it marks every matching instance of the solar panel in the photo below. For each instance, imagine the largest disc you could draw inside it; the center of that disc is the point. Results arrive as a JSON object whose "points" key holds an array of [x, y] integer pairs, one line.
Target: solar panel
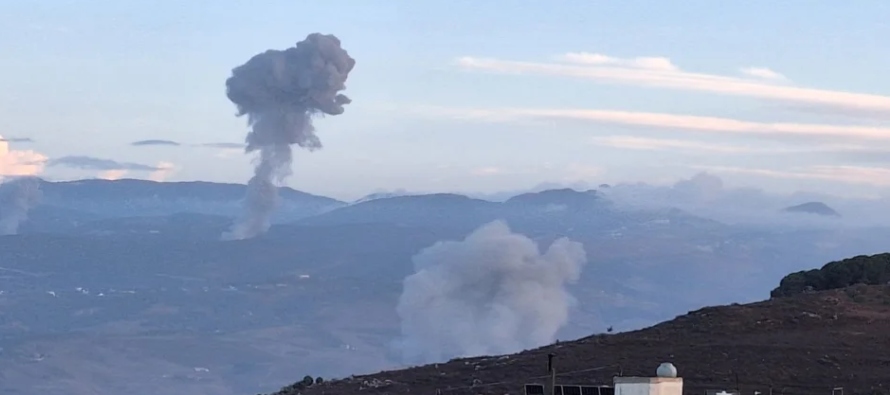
{"points": [[534, 389], [571, 390], [567, 389]]}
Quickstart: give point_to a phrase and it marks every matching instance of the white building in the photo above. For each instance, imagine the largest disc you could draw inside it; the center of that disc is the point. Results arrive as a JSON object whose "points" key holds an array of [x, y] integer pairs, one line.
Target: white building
{"points": [[666, 382]]}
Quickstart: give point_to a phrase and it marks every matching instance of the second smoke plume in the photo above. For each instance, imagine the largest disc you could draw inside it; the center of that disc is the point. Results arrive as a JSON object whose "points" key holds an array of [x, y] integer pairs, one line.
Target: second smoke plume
{"points": [[17, 198], [492, 293], [280, 91]]}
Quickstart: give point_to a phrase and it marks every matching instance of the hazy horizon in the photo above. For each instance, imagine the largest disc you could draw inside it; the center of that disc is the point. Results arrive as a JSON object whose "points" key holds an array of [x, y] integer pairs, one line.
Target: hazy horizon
{"points": [[460, 96]]}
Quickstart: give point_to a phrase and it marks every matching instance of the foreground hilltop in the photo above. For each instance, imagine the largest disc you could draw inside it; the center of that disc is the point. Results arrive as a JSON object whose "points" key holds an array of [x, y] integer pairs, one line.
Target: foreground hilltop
{"points": [[806, 343]]}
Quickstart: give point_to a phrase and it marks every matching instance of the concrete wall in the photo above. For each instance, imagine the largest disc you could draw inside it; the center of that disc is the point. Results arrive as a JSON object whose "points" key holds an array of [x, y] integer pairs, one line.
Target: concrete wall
{"points": [[640, 388]]}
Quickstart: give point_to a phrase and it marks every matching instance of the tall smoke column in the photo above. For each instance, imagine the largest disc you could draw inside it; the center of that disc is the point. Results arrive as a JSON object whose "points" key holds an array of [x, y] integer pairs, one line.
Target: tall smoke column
{"points": [[280, 91], [492, 293], [17, 198]]}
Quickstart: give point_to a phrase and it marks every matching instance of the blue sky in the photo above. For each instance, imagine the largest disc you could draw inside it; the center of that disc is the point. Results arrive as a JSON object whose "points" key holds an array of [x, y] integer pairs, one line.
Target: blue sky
{"points": [[464, 95]]}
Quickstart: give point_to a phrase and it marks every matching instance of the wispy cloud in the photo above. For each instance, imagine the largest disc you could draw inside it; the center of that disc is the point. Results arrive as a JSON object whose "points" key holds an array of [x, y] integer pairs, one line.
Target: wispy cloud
{"points": [[871, 154], [876, 176], [19, 162], [16, 140], [662, 74], [763, 72], [653, 144], [595, 59], [145, 143], [223, 145], [93, 163], [659, 121]]}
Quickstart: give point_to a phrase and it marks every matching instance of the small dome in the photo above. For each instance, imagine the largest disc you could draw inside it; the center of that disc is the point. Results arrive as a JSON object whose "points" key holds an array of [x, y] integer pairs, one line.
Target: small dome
{"points": [[666, 369]]}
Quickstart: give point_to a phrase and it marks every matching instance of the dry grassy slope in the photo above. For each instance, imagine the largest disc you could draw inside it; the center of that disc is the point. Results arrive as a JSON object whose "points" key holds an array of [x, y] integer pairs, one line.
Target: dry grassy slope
{"points": [[805, 344]]}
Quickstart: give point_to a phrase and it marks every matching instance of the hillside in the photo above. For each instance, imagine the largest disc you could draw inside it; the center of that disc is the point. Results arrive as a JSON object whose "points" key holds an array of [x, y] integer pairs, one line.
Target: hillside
{"points": [[809, 343], [863, 269]]}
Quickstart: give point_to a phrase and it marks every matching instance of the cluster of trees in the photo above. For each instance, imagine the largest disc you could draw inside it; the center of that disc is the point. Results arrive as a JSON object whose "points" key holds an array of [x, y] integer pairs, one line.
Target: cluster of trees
{"points": [[863, 269], [295, 388]]}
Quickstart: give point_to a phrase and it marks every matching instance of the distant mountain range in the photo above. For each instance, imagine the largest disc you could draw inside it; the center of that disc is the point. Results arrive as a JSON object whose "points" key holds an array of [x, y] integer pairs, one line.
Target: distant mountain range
{"points": [[124, 286]]}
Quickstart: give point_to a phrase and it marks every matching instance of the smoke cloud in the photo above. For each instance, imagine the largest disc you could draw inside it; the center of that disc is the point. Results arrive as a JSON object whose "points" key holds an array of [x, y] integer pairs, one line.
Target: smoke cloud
{"points": [[492, 293], [280, 91], [17, 198]]}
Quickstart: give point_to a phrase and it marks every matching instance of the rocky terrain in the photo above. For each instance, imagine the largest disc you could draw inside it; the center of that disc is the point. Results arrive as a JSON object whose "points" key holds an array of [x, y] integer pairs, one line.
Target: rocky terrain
{"points": [[803, 344]]}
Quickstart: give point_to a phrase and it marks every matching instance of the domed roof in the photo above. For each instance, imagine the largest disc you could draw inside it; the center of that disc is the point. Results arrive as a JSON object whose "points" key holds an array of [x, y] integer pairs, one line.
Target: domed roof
{"points": [[666, 369]]}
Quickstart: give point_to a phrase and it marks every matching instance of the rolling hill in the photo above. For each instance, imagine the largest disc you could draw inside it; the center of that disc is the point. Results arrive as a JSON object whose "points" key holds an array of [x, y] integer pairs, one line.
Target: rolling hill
{"points": [[809, 343]]}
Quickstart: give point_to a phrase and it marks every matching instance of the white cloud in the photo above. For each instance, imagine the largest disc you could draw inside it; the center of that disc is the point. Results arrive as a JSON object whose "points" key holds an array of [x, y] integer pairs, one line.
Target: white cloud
{"points": [[116, 174], [603, 69], [20, 162], [650, 63], [164, 170], [763, 72], [662, 121]]}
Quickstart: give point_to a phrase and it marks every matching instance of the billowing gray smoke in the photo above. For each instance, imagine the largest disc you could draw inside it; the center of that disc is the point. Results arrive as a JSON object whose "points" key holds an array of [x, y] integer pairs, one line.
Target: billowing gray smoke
{"points": [[492, 293], [280, 91], [17, 197]]}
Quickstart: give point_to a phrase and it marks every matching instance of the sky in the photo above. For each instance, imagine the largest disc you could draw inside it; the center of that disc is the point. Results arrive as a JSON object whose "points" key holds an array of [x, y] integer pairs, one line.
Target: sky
{"points": [[462, 95]]}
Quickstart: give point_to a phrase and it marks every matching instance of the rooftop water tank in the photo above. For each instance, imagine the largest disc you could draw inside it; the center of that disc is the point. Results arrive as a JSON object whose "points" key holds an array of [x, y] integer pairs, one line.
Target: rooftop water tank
{"points": [[666, 369]]}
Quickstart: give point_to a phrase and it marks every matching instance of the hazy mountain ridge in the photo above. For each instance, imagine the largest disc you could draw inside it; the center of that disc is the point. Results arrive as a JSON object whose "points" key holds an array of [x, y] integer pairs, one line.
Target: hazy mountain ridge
{"points": [[321, 289], [130, 197]]}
